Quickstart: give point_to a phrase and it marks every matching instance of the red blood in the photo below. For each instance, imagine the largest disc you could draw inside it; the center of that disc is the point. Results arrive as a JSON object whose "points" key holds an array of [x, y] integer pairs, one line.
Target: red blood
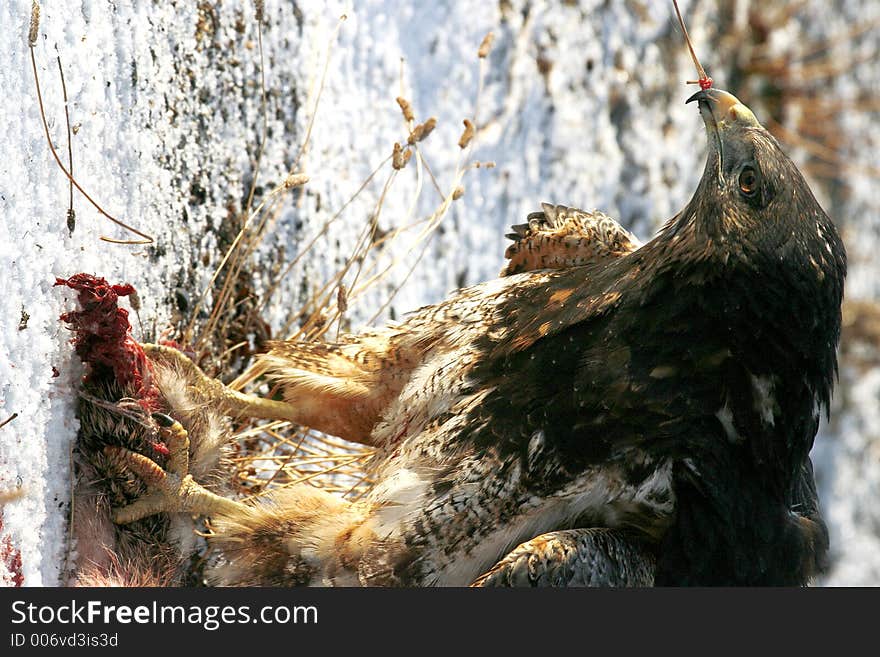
{"points": [[10, 557], [705, 83], [161, 448], [185, 350], [103, 340]]}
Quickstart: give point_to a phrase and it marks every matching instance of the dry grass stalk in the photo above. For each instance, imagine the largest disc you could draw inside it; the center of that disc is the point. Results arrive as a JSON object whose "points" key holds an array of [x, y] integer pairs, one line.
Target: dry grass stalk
{"points": [[277, 455], [485, 45], [33, 30]]}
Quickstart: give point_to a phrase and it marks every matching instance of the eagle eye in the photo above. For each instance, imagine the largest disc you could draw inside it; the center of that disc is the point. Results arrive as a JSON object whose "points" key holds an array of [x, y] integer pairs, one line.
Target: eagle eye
{"points": [[748, 181]]}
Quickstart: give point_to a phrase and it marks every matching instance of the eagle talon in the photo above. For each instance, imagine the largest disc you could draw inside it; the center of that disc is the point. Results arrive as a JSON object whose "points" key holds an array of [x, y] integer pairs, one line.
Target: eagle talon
{"points": [[176, 439], [172, 490], [164, 489], [214, 391], [165, 421]]}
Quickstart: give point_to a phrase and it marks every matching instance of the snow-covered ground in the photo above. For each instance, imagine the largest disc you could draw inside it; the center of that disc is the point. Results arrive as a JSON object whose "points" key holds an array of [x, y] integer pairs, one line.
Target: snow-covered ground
{"points": [[582, 104]]}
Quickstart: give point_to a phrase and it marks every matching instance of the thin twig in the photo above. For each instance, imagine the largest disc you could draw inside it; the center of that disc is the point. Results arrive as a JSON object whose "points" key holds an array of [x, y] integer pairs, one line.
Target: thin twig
{"points": [[704, 79], [146, 238], [71, 214], [8, 420]]}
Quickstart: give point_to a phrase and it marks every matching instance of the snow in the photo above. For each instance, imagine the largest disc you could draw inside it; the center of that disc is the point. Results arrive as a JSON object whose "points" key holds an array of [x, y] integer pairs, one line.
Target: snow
{"points": [[854, 478], [582, 104]]}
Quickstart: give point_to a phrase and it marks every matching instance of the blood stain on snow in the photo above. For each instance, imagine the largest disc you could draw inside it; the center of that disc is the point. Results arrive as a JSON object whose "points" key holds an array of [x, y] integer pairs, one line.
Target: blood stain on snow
{"points": [[10, 559]]}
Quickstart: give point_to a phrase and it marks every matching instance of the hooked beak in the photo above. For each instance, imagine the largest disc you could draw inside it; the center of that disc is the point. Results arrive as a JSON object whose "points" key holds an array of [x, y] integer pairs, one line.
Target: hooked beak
{"points": [[721, 111], [723, 108]]}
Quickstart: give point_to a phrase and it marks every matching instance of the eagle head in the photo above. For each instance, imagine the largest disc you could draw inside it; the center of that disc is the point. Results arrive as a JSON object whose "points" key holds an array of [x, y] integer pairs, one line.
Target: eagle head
{"points": [[753, 197], [757, 228]]}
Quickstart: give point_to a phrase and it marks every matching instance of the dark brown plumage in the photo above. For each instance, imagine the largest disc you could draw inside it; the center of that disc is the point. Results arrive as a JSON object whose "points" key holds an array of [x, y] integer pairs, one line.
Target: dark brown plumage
{"points": [[630, 414]]}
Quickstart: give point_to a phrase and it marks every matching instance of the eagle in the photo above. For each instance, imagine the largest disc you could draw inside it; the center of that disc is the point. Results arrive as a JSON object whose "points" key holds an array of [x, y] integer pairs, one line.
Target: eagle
{"points": [[606, 412]]}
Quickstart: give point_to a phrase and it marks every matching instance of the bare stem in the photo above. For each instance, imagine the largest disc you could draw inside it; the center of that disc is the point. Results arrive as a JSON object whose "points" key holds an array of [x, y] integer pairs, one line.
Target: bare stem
{"points": [[700, 71], [146, 238]]}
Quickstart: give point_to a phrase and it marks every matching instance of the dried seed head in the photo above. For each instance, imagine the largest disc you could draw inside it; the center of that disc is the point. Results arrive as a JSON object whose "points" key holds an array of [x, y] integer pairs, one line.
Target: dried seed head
{"points": [[342, 298], [135, 300], [35, 23], [422, 130], [295, 180], [486, 45], [400, 157], [430, 124], [467, 135], [406, 108], [458, 193], [485, 165], [259, 10], [71, 220]]}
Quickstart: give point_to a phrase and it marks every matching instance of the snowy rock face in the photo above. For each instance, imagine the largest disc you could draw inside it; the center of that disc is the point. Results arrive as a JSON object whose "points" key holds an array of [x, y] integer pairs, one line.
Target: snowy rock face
{"points": [[581, 103]]}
